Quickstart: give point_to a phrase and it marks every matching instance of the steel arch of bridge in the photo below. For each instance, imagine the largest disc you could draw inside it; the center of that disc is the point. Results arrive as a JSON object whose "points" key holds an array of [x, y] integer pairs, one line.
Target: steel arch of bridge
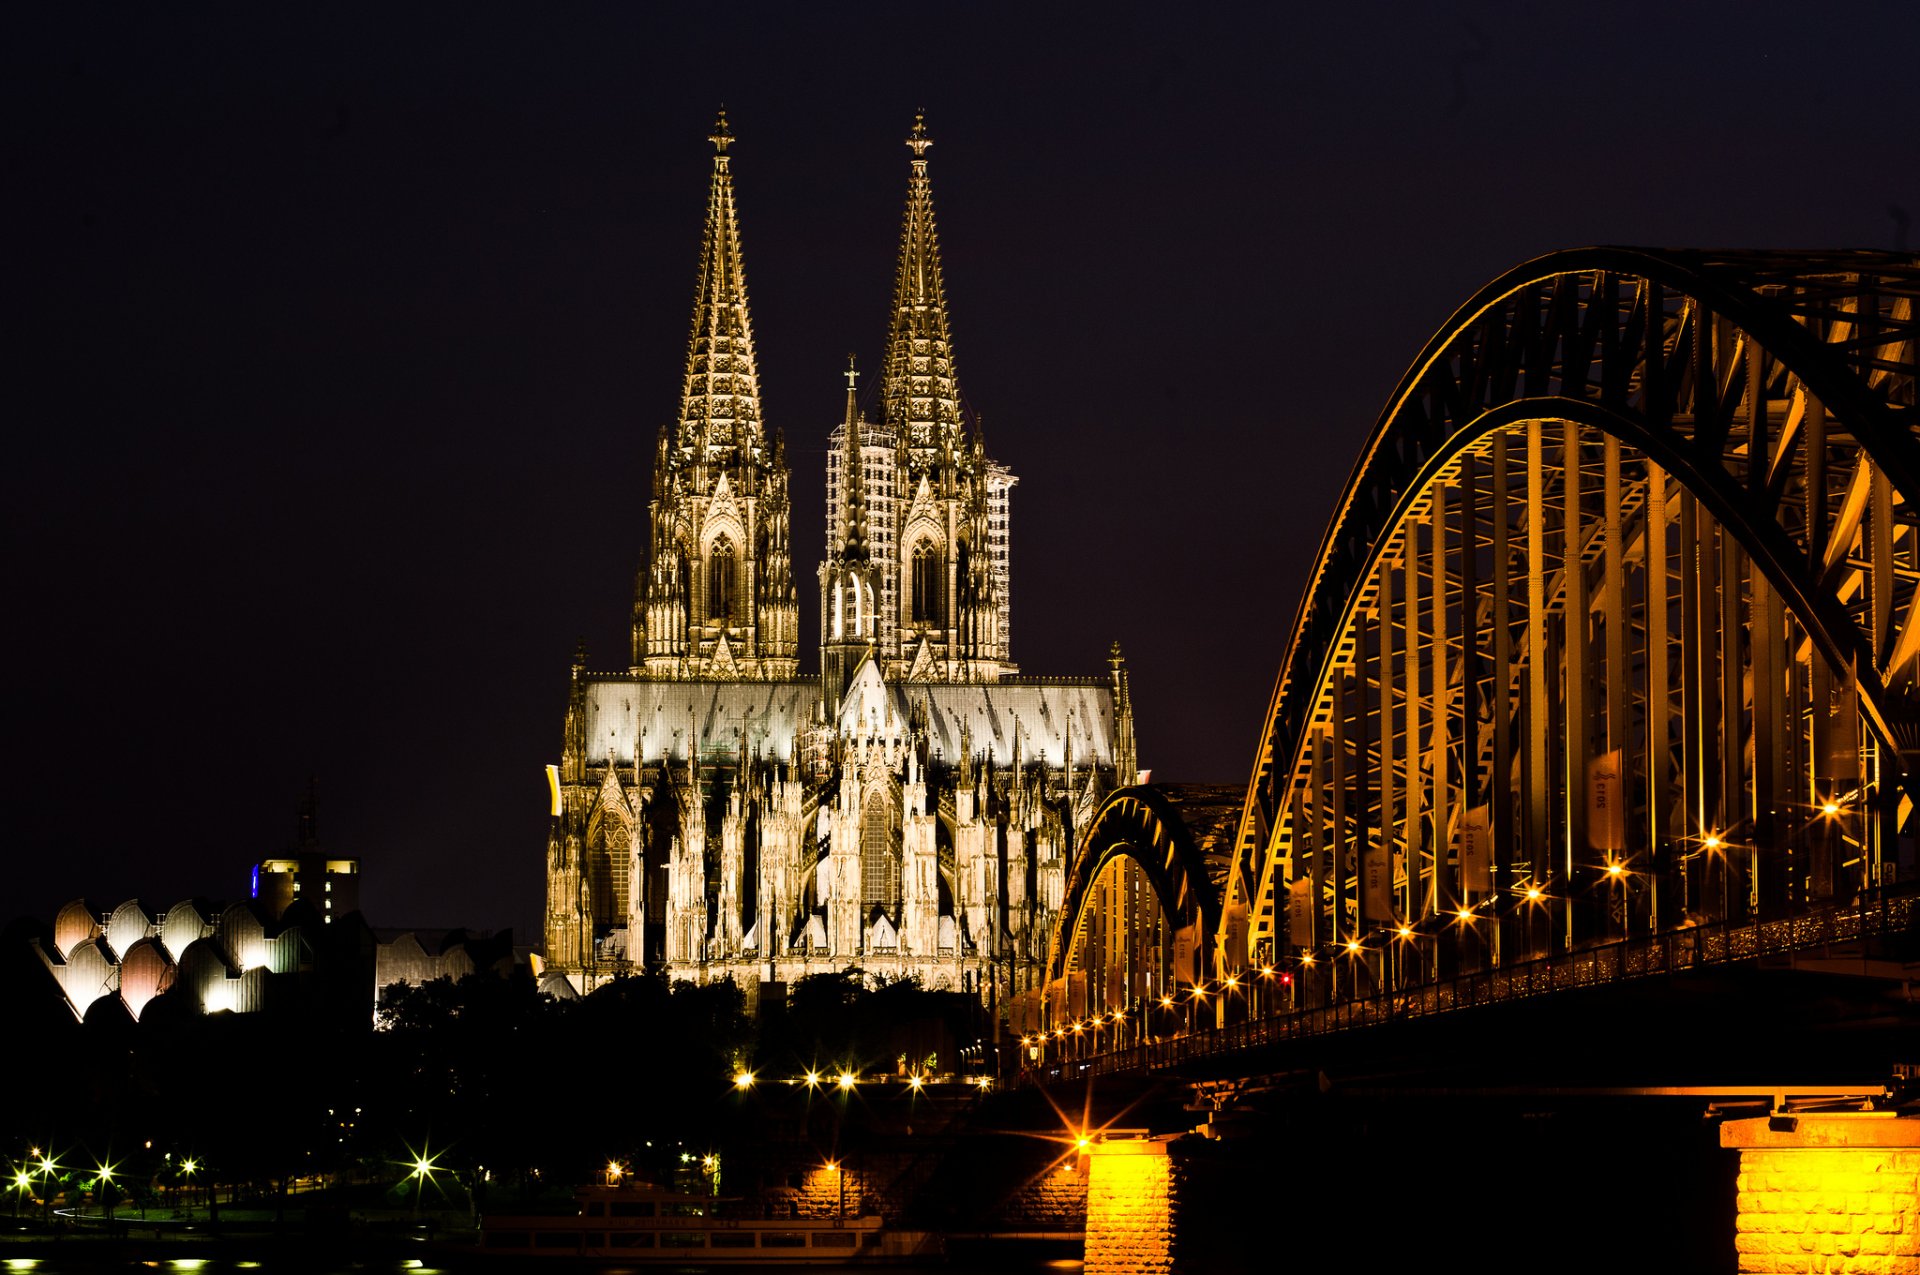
{"points": [[1137, 869], [1711, 460]]}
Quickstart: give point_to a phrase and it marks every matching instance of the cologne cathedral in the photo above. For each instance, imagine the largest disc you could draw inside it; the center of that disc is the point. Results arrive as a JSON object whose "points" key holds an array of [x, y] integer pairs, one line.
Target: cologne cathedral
{"points": [[911, 811]]}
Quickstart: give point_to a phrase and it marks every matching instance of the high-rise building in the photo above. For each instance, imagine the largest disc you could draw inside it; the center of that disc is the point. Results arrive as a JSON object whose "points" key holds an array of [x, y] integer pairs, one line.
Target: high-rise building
{"points": [[913, 809]]}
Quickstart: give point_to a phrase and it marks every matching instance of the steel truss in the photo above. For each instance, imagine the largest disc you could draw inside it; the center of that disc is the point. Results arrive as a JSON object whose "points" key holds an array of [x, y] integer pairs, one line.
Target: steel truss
{"points": [[1614, 631], [1139, 913]]}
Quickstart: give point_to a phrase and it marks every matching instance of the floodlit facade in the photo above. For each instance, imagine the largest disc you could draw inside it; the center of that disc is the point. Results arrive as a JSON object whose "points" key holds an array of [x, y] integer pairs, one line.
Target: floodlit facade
{"points": [[912, 809]]}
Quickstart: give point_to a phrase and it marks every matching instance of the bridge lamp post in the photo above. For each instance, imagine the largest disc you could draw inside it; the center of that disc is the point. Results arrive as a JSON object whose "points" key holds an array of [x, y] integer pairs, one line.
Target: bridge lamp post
{"points": [[1536, 899], [1617, 883], [1403, 935]]}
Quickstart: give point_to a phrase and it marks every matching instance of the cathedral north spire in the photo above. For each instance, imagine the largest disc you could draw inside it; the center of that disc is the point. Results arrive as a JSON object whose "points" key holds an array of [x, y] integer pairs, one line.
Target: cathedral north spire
{"points": [[922, 388]]}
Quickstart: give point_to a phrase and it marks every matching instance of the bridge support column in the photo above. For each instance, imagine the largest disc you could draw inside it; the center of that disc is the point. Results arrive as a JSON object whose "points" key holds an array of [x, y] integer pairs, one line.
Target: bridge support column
{"points": [[1826, 1193], [1130, 1202]]}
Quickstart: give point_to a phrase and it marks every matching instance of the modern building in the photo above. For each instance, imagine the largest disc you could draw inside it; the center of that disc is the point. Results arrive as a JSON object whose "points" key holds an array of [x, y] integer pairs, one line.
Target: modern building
{"points": [[913, 808], [297, 945]]}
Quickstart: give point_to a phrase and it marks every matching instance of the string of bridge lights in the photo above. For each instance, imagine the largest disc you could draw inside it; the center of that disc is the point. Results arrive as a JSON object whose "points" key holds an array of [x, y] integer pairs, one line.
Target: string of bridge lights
{"points": [[1614, 872], [847, 1081]]}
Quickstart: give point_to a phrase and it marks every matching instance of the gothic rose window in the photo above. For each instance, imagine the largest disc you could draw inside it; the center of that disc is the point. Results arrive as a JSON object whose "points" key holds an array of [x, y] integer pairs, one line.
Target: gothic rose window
{"points": [[926, 583], [720, 581]]}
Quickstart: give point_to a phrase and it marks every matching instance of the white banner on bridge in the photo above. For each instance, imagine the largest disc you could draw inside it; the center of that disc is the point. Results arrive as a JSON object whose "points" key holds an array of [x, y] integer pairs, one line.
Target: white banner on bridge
{"points": [[1300, 911], [1376, 883], [1475, 834], [1606, 803]]}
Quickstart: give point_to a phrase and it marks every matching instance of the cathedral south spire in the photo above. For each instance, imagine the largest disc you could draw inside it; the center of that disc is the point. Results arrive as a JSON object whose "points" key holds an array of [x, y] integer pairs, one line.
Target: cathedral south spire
{"points": [[719, 599], [720, 397]]}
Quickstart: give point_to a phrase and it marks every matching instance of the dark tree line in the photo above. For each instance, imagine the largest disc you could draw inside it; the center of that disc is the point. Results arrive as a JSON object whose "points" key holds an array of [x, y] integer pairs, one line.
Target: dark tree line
{"points": [[503, 1088]]}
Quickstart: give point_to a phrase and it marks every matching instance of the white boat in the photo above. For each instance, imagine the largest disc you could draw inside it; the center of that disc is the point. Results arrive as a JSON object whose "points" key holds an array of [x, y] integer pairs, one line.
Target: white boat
{"points": [[638, 1223]]}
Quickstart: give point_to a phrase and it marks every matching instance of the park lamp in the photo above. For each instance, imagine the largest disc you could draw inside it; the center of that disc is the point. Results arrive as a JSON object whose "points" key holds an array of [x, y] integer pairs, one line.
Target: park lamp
{"points": [[743, 1080], [915, 1083], [813, 1080], [847, 1080]]}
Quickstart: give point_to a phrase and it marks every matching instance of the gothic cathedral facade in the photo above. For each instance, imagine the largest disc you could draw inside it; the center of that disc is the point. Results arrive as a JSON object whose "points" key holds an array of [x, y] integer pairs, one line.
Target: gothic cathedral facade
{"points": [[912, 810]]}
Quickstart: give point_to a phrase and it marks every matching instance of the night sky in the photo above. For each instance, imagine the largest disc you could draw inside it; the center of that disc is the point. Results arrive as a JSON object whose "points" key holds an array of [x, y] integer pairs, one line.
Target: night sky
{"points": [[338, 340]]}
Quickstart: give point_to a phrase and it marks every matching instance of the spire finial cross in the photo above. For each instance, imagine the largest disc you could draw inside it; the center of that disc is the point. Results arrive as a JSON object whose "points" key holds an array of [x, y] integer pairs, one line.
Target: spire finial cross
{"points": [[917, 140], [851, 374], [722, 135]]}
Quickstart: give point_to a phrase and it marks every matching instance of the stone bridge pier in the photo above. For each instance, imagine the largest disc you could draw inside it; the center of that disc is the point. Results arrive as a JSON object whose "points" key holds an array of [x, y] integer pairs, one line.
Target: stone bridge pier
{"points": [[1131, 1196], [1827, 1192]]}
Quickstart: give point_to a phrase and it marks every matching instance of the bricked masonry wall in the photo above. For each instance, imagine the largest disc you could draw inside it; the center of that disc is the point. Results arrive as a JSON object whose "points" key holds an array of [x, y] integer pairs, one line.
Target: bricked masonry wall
{"points": [[1823, 1193], [1130, 1202]]}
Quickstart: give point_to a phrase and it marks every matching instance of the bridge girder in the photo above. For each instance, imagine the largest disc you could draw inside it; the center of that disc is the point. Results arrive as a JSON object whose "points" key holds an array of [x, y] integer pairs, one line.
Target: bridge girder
{"points": [[1137, 844], [1723, 447]]}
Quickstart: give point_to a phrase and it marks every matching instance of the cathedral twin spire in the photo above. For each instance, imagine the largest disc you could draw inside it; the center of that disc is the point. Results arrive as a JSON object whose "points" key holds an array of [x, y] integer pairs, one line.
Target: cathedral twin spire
{"points": [[718, 598]]}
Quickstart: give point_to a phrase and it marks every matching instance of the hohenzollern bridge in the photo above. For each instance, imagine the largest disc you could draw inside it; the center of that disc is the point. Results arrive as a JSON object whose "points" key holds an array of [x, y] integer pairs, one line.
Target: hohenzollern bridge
{"points": [[1603, 685]]}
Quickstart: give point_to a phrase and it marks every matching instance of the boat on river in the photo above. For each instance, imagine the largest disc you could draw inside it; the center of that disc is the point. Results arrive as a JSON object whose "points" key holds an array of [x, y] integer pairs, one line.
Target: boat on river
{"points": [[638, 1223]]}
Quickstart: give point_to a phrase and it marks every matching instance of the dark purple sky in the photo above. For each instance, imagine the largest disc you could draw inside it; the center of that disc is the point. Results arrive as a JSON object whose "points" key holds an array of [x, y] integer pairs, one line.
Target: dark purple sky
{"points": [[338, 342]]}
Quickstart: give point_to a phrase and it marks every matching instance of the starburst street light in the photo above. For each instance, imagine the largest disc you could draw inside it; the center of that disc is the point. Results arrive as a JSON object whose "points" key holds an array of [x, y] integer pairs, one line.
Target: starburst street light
{"points": [[847, 1080], [421, 1169], [743, 1080]]}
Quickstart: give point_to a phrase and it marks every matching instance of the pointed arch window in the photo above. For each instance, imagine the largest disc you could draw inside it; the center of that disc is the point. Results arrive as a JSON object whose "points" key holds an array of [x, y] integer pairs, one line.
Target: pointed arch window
{"points": [[926, 583], [720, 593], [879, 858]]}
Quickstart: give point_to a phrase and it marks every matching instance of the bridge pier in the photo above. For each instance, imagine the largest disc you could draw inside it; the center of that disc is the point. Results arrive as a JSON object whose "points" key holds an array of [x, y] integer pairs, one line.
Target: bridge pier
{"points": [[1130, 1203], [1827, 1192]]}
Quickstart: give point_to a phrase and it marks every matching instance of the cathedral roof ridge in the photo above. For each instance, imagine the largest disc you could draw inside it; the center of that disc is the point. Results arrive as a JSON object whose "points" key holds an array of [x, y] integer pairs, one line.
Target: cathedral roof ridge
{"points": [[720, 393], [922, 388]]}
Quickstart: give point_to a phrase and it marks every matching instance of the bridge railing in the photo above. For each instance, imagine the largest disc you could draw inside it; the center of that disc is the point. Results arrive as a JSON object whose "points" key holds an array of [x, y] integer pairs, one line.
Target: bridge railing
{"points": [[1873, 914]]}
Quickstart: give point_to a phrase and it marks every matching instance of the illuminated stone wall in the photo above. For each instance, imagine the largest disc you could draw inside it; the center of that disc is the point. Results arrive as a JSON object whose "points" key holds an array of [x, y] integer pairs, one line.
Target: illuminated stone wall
{"points": [[1827, 1193], [1130, 1203]]}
